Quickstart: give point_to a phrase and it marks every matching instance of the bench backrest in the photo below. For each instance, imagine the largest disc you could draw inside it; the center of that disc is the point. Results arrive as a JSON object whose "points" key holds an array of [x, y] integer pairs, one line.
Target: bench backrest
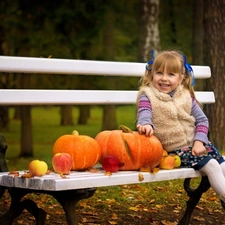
{"points": [[10, 64]]}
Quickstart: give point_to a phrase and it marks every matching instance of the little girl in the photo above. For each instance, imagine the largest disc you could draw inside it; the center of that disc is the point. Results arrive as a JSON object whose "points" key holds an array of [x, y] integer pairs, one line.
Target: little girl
{"points": [[168, 108]]}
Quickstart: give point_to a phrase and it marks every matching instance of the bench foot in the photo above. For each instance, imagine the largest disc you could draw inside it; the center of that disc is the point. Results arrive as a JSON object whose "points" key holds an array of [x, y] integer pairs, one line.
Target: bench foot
{"points": [[194, 197], [69, 199], [17, 207]]}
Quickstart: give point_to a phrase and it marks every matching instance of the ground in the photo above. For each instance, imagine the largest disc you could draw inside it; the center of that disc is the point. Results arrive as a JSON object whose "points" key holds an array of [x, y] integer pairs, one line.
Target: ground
{"points": [[95, 211]]}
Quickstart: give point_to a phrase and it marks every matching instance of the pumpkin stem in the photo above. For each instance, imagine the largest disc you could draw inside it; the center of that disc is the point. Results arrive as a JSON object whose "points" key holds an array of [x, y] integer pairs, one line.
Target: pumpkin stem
{"points": [[75, 132], [121, 164], [125, 129]]}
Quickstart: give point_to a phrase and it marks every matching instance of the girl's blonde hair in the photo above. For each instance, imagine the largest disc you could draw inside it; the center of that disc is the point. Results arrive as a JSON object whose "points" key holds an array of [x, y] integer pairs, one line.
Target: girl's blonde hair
{"points": [[173, 62]]}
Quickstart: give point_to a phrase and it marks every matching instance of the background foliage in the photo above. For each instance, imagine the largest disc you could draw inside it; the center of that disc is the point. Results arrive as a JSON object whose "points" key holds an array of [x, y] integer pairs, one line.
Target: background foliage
{"points": [[77, 29]]}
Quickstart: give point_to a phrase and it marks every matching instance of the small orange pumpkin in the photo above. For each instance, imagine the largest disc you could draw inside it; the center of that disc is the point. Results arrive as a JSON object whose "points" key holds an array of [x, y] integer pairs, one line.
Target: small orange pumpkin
{"points": [[85, 151], [131, 148]]}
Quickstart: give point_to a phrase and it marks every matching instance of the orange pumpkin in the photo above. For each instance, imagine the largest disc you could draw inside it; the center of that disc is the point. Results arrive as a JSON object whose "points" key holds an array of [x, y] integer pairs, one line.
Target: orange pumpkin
{"points": [[131, 148], [85, 151]]}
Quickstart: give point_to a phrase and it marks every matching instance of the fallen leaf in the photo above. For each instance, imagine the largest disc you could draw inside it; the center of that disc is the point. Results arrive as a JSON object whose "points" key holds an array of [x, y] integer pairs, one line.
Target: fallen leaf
{"points": [[108, 173], [110, 201], [140, 177], [93, 170], [112, 222], [159, 206], [145, 169], [152, 201], [114, 216], [165, 222], [212, 199], [48, 171], [137, 217], [160, 188], [176, 211], [198, 218], [83, 204], [84, 220], [27, 175], [15, 173], [198, 207], [63, 176], [134, 209], [155, 170]]}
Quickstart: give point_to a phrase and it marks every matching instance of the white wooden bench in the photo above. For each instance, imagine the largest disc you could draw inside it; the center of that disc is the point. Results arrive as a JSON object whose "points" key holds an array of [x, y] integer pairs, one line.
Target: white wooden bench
{"points": [[82, 184]]}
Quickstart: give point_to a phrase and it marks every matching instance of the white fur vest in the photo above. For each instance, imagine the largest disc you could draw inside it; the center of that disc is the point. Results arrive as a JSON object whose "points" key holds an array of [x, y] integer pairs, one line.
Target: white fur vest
{"points": [[171, 116]]}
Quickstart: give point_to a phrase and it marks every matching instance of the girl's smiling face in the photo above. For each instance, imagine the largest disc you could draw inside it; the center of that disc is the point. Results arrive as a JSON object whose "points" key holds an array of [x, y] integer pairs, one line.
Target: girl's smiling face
{"points": [[166, 81], [167, 72]]}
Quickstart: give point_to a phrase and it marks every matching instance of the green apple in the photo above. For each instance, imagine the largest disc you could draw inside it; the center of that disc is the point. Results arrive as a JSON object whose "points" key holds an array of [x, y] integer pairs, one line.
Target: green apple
{"points": [[177, 161]]}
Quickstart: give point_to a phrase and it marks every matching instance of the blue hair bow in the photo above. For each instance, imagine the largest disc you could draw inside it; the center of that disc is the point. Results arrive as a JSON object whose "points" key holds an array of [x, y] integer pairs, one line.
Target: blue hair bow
{"points": [[189, 69], [151, 61]]}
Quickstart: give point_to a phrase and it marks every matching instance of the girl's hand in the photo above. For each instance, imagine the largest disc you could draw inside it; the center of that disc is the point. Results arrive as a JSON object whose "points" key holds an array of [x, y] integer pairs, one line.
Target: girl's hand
{"points": [[145, 129], [198, 148]]}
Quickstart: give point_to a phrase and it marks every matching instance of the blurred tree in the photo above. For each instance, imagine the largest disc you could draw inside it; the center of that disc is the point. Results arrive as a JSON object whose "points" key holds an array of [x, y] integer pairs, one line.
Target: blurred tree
{"points": [[77, 30], [149, 29], [198, 32], [175, 25], [109, 111], [197, 40], [214, 56], [4, 118]]}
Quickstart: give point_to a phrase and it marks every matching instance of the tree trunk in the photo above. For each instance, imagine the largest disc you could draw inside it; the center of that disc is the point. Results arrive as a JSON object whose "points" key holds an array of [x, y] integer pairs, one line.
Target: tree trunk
{"points": [[198, 36], [4, 118], [109, 111], [149, 30], [66, 115], [214, 55], [26, 141], [198, 33], [26, 132], [84, 114], [84, 110], [4, 112]]}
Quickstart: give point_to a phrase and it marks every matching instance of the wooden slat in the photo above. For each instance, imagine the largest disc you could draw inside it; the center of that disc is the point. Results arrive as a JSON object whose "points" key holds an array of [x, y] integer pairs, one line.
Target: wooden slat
{"points": [[79, 180], [77, 97], [85, 67]]}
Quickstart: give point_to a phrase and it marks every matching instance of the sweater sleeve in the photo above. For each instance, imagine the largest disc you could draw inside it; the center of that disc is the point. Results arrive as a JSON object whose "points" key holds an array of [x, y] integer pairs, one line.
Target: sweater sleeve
{"points": [[201, 123], [144, 114]]}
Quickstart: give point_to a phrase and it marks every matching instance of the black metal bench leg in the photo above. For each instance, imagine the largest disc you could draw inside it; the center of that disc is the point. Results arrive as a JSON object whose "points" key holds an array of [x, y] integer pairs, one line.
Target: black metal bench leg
{"points": [[17, 206], [69, 199], [194, 197]]}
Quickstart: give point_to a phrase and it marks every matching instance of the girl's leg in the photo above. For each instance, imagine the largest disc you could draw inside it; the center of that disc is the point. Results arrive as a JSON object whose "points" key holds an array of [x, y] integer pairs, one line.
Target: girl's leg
{"points": [[216, 177], [222, 165]]}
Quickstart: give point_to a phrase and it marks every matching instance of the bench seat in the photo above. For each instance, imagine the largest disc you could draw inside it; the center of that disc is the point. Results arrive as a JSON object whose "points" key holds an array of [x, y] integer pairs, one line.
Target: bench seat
{"points": [[80, 180]]}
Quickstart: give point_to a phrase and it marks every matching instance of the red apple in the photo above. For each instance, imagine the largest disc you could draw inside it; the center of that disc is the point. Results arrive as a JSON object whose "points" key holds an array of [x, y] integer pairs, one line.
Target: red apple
{"points": [[37, 168], [111, 163], [167, 163], [62, 163]]}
